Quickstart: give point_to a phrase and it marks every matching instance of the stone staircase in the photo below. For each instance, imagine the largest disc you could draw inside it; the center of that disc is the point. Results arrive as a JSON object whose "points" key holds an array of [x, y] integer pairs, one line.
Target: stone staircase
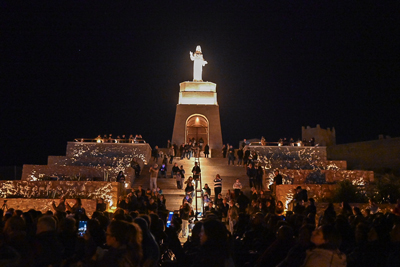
{"points": [[209, 168]]}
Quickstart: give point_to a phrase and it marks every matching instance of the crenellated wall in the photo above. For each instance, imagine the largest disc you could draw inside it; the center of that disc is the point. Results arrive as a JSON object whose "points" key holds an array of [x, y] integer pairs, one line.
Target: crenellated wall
{"points": [[323, 137]]}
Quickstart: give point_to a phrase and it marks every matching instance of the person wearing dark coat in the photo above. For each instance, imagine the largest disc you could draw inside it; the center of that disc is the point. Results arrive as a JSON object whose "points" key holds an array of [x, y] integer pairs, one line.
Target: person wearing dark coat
{"points": [[206, 151], [251, 173]]}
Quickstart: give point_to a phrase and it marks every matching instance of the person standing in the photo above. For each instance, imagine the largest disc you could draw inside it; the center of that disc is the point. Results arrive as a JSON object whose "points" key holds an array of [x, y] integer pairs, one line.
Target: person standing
{"points": [[206, 151], [277, 181], [231, 156], [224, 150], [153, 176], [174, 170], [246, 155], [182, 151], [188, 150], [217, 186], [233, 215], [171, 153], [182, 172], [154, 154], [251, 173], [196, 173], [178, 180], [237, 186], [184, 214], [259, 178], [240, 156]]}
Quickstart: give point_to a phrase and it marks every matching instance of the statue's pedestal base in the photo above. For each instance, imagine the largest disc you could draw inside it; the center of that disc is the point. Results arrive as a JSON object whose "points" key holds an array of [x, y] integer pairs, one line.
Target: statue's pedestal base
{"points": [[197, 116], [198, 93], [183, 129]]}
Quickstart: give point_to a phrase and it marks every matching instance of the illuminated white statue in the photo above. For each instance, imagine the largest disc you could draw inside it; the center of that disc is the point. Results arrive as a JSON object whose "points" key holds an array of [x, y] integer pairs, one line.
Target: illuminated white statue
{"points": [[198, 64]]}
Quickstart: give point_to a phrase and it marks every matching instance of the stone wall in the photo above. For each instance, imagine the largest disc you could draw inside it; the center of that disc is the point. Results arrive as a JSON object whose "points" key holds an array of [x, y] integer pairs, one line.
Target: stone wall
{"points": [[302, 153], [319, 192], [55, 172], [120, 163], [299, 177], [370, 155], [307, 164], [109, 150], [56, 189], [42, 192], [44, 205]]}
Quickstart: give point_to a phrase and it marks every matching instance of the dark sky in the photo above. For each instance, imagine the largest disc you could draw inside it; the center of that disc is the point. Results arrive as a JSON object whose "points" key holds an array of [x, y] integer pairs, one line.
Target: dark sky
{"points": [[81, 68]]}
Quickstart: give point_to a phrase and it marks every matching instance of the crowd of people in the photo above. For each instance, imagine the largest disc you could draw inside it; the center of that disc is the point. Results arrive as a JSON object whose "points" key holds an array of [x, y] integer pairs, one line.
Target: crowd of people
{"points": [[185, 151], [236, 231], [261, 232]]}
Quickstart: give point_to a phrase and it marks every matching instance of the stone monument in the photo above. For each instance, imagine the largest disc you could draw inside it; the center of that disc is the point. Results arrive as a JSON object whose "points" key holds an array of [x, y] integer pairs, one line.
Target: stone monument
{"points": [[197, 113]]}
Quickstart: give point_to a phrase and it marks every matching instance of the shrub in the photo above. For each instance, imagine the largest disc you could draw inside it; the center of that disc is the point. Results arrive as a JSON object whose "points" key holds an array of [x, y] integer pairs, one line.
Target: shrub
{"points": [[388, 188], [347, 192]]}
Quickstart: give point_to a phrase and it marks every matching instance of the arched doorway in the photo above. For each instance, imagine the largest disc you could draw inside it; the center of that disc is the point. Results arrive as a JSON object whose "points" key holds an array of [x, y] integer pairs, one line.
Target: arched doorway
{"points": [[197, 128]]}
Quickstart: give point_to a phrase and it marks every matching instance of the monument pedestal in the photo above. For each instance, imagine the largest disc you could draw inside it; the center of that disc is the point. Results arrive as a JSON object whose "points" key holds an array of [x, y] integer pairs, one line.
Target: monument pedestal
{"points": [[197, 116]]}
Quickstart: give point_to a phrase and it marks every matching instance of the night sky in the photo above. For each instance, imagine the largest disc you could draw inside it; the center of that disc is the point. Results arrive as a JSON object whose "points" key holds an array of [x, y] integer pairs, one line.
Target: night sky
{"points": [[74, 69]]}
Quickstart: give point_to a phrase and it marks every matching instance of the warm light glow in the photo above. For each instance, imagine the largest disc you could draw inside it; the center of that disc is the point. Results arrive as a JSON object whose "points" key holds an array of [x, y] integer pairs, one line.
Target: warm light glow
{"points": [[98, 140], [197, 119]]}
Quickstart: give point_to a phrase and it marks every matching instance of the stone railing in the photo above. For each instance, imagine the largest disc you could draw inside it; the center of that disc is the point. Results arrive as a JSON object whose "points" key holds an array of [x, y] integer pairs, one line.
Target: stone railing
{"points": [[303, 153], [115, 162], [55, 172], [44, 205], [109, 150], [300, 177], [306, 164], [110, 192]]}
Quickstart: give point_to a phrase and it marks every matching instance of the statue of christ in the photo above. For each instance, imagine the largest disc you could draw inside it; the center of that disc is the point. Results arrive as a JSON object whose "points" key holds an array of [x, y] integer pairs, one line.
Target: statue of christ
{"points": [[198, 64]]}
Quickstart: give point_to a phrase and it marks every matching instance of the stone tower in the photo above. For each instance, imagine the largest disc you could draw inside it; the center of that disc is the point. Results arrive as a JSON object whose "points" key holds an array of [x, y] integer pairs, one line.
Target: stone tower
{"points": [[197, 113]]}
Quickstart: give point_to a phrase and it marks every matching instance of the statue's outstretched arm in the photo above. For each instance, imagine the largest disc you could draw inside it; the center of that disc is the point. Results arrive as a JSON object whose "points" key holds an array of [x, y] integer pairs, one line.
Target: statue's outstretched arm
{"points": [[204, 63], [191, 56]]}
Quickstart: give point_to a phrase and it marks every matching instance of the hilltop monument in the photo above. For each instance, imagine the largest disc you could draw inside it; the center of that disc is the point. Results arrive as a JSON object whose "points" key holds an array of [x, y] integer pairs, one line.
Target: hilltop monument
{"points": [[197, 112]]}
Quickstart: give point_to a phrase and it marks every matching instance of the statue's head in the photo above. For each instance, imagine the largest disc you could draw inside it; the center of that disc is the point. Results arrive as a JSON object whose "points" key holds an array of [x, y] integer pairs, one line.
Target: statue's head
{"points": [[198, 49]]}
